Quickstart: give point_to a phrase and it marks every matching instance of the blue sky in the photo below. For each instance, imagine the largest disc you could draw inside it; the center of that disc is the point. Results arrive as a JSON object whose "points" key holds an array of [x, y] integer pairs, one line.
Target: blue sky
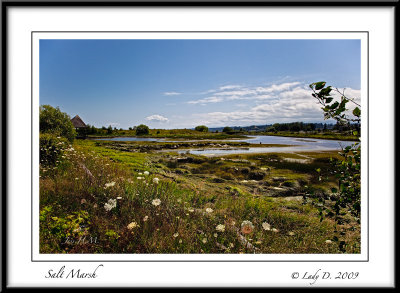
{"points": [[184, 83]]}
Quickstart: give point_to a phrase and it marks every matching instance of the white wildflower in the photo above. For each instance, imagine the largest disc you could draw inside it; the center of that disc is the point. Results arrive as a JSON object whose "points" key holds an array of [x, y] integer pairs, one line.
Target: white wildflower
{"points": [[209, 210], [220, 228], [111, 184], [266, 226], [156, 202], [146, 173], [132, 225], [156, 180], [112, 203]]}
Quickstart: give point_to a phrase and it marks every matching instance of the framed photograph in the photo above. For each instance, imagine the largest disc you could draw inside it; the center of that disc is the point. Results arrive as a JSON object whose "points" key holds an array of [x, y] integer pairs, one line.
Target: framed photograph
{"points": [[196, 144]]}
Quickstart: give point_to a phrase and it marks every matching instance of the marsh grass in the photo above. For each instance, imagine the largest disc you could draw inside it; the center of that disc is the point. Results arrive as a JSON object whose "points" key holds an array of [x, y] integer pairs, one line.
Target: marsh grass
{"points": [[178, 212]]}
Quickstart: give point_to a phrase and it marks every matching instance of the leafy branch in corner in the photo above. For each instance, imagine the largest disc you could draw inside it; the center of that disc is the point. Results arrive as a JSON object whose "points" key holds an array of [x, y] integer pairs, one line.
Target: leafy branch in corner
{"points": [[347, 196]]}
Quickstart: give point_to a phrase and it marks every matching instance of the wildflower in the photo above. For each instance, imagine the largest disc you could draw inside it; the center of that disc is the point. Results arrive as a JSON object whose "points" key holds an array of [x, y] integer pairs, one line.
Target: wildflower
{"points": [[140, 173], [275, 230], [247, 227], [191, 210], [119, 197], [180, 240], [209, 210], [215, 235], [156, 202], [132, 225], [328, 241], [139, 178], [266, 226], [231, 245], [145, 218], [291, 233], [83, 201], [204, 240], [111, 184], [95, 206], [156, 180], [76, 178], [179, 200], [176, 235], [146, 173], [112, 203], [220, 228]]}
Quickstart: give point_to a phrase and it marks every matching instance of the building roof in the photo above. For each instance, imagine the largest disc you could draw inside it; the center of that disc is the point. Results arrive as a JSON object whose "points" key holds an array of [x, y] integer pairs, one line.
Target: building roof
{"points": [[78, 122]]}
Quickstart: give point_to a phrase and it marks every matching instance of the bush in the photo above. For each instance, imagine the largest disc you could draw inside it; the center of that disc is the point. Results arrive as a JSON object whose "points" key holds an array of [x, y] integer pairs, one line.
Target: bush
{"points": [[51, 148], [201, 128], [227, 129], [58, 123], [142, 129]]}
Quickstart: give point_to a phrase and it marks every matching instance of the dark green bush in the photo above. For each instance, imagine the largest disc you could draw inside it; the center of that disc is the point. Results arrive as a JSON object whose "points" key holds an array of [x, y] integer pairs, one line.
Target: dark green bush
{"points": [[142, 129], [52, 120]]}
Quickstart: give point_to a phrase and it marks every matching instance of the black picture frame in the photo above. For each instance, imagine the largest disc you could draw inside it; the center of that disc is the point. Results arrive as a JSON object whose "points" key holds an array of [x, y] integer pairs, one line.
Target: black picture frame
{"points": [[4, 118]]}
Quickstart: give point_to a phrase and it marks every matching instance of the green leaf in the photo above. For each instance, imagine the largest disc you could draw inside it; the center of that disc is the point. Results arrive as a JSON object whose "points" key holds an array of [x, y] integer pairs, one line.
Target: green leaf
{"points": [[319, 85], [357, 112]]}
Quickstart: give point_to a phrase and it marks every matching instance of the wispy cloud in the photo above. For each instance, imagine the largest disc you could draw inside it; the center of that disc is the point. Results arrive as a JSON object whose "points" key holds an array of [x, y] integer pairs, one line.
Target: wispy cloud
{"points": [[285, 102], [157, 118], [237, 92], [171, 94]]}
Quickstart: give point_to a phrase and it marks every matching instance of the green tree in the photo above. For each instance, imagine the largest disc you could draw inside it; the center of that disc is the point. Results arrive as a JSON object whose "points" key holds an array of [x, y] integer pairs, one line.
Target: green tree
{"points": [[55, 122], [227, 129], [142, 129], [109, 129], [201, 128]]}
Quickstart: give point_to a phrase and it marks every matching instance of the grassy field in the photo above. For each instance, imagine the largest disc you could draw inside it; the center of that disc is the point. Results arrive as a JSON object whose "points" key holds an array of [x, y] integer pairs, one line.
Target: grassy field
{"points": [[192, 134], [127, 197]]}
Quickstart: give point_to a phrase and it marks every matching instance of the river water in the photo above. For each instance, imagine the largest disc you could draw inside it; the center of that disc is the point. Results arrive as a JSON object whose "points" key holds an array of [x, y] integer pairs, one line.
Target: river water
{"points": [[295, 144]]}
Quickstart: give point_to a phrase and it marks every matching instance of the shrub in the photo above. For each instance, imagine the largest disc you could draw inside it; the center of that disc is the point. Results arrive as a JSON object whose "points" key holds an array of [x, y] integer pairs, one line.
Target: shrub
{"points": [[51, 148], [52, 120], [201, 128], [142, 129], [227, 129]]}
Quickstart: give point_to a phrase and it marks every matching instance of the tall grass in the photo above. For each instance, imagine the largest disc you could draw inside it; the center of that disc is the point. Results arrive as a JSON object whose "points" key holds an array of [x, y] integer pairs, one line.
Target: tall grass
{"points": [[100, 201]]}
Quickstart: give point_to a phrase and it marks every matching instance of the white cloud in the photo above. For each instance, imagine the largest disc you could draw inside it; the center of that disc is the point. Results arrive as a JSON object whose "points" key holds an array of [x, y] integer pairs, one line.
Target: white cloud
{"points": [[157, 118], [229, 87], [171, 94], [291, 103], [207, 100], [236, 92]]}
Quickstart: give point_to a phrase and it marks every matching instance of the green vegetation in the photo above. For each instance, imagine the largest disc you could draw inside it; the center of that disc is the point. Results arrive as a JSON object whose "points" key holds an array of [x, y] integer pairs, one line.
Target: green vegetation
{"points": [[142, 130], [56, 123], [161, 202], [347, 195], [201, 128]]}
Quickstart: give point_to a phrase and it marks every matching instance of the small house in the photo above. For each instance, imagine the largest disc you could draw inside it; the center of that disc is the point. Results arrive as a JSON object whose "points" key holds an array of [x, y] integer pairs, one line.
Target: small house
{"points": [[78, 122]]}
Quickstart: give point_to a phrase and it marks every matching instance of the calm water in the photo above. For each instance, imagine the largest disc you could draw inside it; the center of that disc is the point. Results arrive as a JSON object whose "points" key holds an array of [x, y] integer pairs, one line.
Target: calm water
{"points": [[296, 144]]}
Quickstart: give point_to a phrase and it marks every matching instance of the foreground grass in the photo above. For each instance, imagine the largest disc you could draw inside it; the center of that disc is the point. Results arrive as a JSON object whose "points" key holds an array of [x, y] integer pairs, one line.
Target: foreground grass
{"points": [[102, 200]]}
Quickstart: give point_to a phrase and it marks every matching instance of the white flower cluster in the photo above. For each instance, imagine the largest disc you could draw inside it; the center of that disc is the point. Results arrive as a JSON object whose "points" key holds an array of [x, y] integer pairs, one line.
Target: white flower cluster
{"points": [[112, 203]]}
